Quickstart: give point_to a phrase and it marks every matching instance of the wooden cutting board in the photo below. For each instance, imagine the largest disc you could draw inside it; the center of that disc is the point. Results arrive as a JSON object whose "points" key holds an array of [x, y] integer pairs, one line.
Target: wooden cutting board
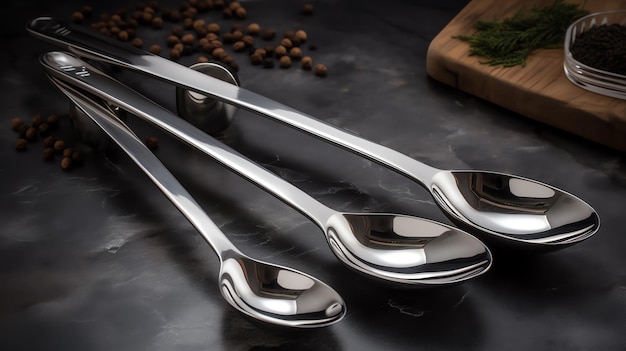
{"points": [[539, 90]]}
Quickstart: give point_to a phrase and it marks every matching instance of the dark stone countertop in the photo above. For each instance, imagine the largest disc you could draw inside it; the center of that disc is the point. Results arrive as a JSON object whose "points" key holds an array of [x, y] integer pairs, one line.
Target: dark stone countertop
{"points": [[96, 258]]}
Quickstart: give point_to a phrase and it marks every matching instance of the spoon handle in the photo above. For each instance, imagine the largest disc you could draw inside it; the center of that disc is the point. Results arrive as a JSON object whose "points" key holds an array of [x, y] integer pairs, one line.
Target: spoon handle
{"points": [[76, 72], [98, 47], [152, 166]]}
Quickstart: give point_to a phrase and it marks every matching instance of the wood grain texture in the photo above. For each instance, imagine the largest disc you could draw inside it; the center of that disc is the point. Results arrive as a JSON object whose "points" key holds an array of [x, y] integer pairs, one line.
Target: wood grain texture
{"points": [[538, 90]]}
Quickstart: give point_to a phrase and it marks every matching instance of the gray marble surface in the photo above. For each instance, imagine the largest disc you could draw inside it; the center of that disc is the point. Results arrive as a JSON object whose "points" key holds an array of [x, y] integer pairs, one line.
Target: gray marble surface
{"points": [[97, 259]]}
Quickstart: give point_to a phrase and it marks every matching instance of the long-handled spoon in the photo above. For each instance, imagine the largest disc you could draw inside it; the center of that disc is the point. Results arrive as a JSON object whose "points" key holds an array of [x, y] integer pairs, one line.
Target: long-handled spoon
{"points": [[267, 292], [505, 207], [392, 247]]}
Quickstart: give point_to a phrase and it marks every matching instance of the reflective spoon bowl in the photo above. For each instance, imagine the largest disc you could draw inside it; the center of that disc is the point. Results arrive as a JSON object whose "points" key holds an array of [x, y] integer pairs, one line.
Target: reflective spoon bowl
{"points": [[266, 292], [390, 247], [561, 220], [514, 209]]}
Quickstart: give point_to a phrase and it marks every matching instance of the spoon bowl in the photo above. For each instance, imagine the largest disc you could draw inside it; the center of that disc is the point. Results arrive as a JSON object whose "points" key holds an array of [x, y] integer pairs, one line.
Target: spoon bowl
{"points": [[264, 291], [405, 248], [513, 208]]}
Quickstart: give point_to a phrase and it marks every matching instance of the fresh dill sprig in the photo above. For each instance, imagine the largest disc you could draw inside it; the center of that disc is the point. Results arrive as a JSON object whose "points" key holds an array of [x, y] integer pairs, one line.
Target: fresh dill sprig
{"points": [[510, 41]]}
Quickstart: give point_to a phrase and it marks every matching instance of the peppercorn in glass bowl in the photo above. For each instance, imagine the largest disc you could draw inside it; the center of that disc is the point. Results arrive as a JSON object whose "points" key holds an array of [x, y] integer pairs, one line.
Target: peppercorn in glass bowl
{"points": [[595, 53]]}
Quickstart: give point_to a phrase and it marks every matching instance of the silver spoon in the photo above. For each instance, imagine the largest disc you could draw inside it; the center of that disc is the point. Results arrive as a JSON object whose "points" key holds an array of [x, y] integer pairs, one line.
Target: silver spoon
{"points": [[507, 208], [264, 291], [392, 247]]}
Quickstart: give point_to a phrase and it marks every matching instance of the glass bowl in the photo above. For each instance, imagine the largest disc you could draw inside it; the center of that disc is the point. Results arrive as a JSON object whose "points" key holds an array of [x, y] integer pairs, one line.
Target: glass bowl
{"points": [[588, 77]]}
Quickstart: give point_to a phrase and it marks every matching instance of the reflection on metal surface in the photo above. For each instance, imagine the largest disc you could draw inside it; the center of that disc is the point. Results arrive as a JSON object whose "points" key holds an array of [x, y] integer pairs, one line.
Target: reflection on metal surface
{"points": [[521, 209], [489, 211], [250, 286], [407, 249], [380, 262], [288, 295]]}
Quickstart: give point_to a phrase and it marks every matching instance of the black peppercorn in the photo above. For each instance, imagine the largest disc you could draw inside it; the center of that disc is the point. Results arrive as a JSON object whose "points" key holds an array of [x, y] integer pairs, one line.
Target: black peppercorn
{"points": [[49, 141], [66, 163], [321, 70], [307, 63], [241, 13], [48, 153], [307, 9], [152, 142], [295, 53], [137, 42], [16, 123], [268, 34], [285, 62], [155, 49], [256, 59], [36, 121], [280, 51], [254, 29], [59, 145], [53, 120], [21, 144], [31, 134], [268, 62], [239, 46]]}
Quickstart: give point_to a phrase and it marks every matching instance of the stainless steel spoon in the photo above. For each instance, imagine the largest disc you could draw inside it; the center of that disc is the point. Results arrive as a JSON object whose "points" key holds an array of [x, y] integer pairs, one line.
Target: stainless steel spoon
{"points": [[264, 291], [392, 247], [507, 208]]}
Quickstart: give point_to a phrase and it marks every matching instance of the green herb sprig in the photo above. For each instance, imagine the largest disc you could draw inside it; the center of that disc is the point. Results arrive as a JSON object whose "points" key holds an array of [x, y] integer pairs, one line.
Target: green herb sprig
{"points": [[510, 41]]}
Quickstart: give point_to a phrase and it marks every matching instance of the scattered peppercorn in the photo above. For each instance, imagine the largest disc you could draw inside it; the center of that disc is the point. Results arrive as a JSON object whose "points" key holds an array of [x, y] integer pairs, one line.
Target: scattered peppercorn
{"points": [[285, 62], [280, 51], [256, 59], [152, 142], [268, 62], [67, 152], [53, 120], [43, 129], [214, 28], [248, 40], [48, 153], [78, 17], [239, 46], [237, 35], [157, 23], [66, 163], [254, 29], [175, 54], [48, 141], [155, 49], [287, 43], [31, 134], [59, 145], [268, 34], [218, 53], [241, 13], [307, 9], [188, 39], [171, 40], [137, 42], [36, 121], [295, 53], [307, 63], [301, 35], [21, 144], [16, 123], [321, 70], [77, 157]]}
